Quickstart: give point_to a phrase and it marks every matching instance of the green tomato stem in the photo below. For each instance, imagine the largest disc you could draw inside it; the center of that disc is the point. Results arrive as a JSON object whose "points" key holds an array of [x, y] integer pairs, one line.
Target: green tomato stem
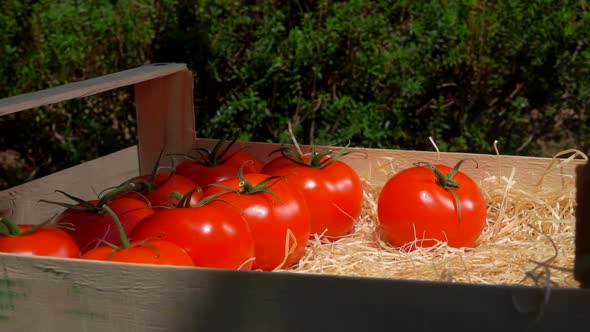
{"points": [[8, 228], [4, 230], [125, 244], [126, 187], [248, 188], [211, 157], [317, 160], [151, 246], [184, 201], [446, 181]]}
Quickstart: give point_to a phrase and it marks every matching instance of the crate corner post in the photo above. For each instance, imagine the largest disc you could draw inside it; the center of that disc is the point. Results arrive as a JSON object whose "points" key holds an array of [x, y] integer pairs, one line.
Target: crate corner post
{"points": [[165, 117]]}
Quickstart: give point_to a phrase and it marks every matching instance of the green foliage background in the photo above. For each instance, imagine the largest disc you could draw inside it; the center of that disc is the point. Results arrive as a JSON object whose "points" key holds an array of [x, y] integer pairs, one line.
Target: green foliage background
{"points": [[385, 74]]}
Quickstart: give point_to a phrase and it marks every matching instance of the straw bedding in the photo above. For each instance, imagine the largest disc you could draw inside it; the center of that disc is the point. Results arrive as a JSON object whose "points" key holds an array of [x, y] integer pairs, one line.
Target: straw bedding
{"points": [[528, 239]]}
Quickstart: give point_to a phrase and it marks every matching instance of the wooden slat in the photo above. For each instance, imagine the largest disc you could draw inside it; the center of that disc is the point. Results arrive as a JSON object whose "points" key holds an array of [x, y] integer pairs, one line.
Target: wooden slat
{"points": [[165, 117], [21, 202], [46, 294], [87, 88], [377, 165], [582, 238]]}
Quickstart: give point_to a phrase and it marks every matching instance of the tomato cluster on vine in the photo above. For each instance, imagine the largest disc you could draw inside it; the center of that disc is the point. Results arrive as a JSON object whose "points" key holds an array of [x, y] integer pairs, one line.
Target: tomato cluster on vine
{"points": [[224, 208]]}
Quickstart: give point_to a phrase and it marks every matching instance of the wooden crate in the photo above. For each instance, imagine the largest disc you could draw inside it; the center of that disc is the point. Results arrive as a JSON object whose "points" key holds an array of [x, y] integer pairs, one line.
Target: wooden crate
{"points": [[53, 294]]}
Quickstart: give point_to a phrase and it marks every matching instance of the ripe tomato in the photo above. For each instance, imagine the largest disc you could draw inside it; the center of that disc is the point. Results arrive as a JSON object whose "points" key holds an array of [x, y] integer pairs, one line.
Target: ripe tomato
{"points": [[154, 251], [273, 218], [415, 206], [333, 191], [165, 184], [43, 241], [214, 166], [214, 234], [90, 226]]}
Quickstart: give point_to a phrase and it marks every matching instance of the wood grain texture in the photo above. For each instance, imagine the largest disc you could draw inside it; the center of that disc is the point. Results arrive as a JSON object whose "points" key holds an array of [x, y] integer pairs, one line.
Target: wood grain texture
{"points": [[50, 295], [87, 87], [377, 165], [165, 118], [22, 202], [582, 238]]}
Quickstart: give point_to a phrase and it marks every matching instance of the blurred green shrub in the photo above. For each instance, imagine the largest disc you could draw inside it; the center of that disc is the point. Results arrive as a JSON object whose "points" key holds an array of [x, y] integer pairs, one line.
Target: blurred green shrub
{"points": [[47, 43], [385, 74], [393, 73]]}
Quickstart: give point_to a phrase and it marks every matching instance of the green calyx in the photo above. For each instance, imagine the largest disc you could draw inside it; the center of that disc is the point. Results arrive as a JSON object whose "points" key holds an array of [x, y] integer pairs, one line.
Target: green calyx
{"points": [[9, 228], [84, 205], [317, 159], [101, 207], [246, 187], [211, 157], [446, 181], [135, 185], [139, 185], [185, 200], [144, 243]]}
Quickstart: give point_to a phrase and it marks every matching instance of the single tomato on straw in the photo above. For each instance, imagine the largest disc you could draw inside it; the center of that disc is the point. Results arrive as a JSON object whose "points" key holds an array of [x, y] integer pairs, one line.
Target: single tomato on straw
{"points": [[427, 203]]}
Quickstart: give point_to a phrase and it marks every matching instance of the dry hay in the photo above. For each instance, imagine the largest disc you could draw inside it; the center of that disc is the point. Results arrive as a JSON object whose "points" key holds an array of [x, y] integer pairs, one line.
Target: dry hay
{"points": [[528, 240]]}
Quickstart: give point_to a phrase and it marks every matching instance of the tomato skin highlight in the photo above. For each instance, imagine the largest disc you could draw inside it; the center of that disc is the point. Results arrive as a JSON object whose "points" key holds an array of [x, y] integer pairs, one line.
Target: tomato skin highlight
{"points": [[413, 206], [88, 227], [215, 235], [161, 253], [205, 174], [270, 219], [334, 194], [45, 241]]}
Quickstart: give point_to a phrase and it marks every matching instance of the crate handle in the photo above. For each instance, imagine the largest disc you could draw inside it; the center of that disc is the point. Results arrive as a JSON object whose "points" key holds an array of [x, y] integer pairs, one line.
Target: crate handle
{"points": [[164, 105]]}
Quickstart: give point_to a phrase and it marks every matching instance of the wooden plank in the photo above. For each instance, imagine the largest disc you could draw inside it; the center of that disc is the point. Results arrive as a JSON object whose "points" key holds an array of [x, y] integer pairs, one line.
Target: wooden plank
{"points": [[47, 294], [21, 202], [87, 87], [582, 238], [165, 117], [377, 165]]}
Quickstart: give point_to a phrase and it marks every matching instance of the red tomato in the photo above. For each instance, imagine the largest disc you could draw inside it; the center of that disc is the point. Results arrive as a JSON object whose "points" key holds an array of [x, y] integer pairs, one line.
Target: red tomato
{"points": [[214, 234], [165, 184], [414, 206], [44, 241], [150, 252], [214, 166], [89, 227], [334, 193], [273, 222]]}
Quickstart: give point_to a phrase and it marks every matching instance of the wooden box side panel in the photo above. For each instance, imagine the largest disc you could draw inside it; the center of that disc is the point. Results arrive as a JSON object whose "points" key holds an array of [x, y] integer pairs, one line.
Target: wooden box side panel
{"points": [[86, 180], [87, 87], [165, 118], [74, 295], [377, 165]]}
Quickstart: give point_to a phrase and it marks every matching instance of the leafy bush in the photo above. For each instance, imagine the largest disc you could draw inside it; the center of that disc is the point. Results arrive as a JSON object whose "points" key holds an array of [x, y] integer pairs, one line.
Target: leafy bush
{"points": [[393, 73], [48, 43], [385, 74]]}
